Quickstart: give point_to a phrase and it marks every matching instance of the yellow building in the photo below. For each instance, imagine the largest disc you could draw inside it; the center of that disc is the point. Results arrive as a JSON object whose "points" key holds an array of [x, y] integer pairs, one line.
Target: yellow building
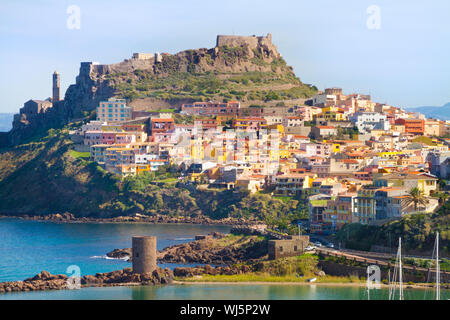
{"points": [[223, 119], [331, 113], [293, 183], [431, 128], [112, 128], [197, 150], [424, 182]]}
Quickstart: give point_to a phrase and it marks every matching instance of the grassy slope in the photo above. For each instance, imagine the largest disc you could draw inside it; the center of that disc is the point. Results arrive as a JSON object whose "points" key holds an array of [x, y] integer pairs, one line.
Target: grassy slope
{"points": [[292, 269], [43, 177]]}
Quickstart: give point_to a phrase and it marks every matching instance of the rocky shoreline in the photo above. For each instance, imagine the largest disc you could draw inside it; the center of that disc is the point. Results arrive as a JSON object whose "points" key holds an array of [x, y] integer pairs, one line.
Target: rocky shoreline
{"points": [[162, 219], [47, 281]]}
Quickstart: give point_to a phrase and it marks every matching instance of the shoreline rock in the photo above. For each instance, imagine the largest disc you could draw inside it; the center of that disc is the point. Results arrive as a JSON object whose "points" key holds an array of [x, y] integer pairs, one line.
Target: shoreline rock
{"points": [[69, 217], [46, 281]]}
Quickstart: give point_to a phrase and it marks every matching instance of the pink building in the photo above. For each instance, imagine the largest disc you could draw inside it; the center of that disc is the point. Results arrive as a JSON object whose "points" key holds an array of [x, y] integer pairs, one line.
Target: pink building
{"points": [[305, 113], [108, 137], [316, 149], [251, 123], [165, 137], [210, 108]]}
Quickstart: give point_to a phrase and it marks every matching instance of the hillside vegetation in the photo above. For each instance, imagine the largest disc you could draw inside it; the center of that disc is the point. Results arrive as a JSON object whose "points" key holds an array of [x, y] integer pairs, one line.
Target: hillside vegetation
{"points": [[417, 231]]}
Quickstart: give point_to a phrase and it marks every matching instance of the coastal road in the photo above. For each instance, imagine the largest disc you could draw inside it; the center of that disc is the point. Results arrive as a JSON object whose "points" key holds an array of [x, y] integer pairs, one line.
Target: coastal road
{"points": [[358, 258]]}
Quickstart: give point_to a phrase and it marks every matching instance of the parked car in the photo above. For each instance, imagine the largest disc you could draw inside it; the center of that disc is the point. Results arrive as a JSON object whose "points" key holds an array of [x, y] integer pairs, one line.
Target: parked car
{"points": [[309, 248], [317, 244], [330, 245]]}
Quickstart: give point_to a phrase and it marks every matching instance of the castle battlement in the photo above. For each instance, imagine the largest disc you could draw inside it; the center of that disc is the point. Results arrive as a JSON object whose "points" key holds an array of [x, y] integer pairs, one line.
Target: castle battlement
{"points": [[236, 41]]}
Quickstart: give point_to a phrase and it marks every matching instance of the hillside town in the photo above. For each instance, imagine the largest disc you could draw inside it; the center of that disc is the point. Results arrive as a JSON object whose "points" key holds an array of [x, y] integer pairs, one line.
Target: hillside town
{"points": [[348, 158]]}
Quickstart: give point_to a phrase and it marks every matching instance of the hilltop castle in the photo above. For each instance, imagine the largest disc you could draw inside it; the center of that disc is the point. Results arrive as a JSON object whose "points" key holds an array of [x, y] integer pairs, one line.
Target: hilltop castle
{"points": [[236, 41]]}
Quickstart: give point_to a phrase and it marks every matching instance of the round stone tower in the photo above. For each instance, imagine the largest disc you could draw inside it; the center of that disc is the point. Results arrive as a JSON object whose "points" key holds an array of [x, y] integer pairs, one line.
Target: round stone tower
{"points": [[144, 254]]}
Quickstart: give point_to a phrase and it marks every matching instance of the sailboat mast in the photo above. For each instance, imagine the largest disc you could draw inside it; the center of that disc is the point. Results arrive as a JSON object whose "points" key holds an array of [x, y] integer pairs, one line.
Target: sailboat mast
{"points": [[400, 268], [438, 272], [389, 281]]}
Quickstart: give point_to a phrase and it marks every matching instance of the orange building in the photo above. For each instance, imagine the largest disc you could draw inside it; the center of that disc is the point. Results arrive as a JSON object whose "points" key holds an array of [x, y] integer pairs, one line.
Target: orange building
{"points": [[414, 126]]}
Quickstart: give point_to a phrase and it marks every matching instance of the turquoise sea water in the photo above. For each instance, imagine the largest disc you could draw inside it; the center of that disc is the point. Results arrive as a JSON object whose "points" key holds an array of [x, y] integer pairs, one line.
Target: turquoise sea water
{"points": [[219, 292], [28, 247]]}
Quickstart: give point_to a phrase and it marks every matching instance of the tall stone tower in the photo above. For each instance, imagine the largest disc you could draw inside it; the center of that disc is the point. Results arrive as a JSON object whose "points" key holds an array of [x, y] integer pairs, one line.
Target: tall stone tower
{"points": [[144, 254], [56, 87]]}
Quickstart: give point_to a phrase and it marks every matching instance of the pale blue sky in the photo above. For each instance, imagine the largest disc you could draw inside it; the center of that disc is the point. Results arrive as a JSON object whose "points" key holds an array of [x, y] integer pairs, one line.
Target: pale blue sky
{"points": [[405, 63]]}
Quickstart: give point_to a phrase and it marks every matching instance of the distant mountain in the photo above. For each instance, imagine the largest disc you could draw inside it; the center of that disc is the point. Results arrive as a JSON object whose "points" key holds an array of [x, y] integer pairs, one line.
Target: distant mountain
{"points": [[6, 120], [442, 113]]}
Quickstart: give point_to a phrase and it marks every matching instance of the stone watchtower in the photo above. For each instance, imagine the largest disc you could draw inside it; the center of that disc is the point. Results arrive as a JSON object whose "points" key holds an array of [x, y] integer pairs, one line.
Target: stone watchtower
{"points": [[56, 87], [144, 254]]}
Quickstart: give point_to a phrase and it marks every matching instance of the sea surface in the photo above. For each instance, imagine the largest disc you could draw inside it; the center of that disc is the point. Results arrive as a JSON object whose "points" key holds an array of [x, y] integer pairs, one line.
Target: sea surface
{"points": [[28, 247], [219, 292]]}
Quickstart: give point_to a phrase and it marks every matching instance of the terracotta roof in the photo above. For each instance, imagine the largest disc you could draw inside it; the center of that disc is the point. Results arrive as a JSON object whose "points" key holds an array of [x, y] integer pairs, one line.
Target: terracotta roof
{"points": [[348, 161], [163, 120]]}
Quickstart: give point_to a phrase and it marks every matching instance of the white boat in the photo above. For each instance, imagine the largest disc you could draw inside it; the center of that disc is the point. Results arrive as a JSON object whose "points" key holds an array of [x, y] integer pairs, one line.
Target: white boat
{"points": [[312, 280]]}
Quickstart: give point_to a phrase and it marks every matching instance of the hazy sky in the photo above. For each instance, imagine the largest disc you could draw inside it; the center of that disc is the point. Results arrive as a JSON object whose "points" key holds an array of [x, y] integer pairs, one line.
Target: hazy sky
{"points": [[405, 62]]}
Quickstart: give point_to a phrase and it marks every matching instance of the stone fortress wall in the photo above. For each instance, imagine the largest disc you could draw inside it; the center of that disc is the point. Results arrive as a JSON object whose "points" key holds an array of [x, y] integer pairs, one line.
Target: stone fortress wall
{"points": [[263, 44], [236, 41]]}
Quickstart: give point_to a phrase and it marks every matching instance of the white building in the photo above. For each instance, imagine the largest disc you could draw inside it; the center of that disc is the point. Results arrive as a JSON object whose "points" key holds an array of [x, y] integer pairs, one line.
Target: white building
{"points": [[93, 125], [323, 98], [368, 121]]}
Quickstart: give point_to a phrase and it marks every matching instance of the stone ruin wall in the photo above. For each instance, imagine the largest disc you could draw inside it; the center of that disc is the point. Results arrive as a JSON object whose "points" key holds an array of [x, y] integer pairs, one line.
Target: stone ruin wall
{"points": [[253, 42], [235, 41]]}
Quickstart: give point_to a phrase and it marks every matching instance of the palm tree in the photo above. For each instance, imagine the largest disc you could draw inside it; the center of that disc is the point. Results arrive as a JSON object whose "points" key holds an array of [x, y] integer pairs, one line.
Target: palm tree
{"points": [[417, 197]]}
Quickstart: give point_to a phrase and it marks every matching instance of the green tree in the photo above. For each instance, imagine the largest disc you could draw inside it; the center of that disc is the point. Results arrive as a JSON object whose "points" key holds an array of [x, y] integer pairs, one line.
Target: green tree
{"points": [[443, 197]]}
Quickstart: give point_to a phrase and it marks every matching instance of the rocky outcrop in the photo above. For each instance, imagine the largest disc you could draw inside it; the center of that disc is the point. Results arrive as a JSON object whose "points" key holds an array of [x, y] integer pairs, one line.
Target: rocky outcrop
{"points": [[47, 281], [120, 254], [205, 251], [126, 276], [41, 281]]}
